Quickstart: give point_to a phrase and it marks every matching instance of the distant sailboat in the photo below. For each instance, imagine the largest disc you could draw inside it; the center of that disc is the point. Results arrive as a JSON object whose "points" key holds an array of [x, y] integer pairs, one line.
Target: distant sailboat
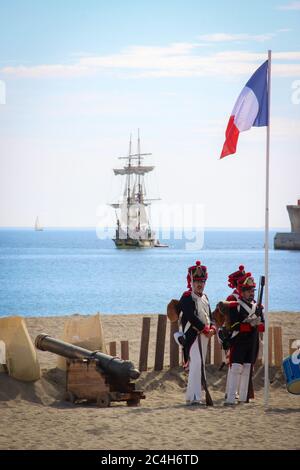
{"points": [[37, 225]]}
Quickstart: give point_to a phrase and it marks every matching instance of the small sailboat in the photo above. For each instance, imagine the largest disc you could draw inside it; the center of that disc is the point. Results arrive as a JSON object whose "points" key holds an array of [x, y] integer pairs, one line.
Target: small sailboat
{"points": [[157, 244], [37, 226]]}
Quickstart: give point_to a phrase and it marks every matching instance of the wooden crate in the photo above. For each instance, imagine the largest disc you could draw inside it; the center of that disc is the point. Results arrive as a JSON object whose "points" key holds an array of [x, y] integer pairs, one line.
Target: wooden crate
{"points": [[86, 381]]}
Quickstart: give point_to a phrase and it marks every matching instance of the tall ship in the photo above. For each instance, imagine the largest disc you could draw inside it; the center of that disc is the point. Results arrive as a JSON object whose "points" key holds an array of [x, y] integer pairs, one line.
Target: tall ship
{"points": [[133, 225]]}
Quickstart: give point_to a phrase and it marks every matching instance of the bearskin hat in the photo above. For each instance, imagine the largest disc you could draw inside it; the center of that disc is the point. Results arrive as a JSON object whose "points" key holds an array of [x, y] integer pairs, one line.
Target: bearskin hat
{"points": [[196, 273], [234, 277]]}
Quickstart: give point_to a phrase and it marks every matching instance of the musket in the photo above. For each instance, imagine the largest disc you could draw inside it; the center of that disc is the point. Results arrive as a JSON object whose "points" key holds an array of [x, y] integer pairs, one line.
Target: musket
{"points": [[208, 399], [260, 295]]}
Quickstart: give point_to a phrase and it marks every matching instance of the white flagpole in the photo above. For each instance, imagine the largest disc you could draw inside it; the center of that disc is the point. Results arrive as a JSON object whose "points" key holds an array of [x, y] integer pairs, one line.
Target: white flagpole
{"points": [[266, 302]]}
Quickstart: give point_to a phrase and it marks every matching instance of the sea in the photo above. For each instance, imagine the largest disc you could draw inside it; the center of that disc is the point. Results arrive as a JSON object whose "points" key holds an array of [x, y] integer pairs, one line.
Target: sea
{"points": [[67, 271]]}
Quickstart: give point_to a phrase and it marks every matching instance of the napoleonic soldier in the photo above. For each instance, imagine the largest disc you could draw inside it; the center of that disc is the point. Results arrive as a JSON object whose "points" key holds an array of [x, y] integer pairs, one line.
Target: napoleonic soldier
{"points": [[232, 283], [245, 323], [197, 327]]}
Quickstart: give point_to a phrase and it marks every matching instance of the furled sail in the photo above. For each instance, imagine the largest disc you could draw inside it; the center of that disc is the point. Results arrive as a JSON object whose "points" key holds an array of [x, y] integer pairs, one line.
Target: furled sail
{"points": [[133, 170]]}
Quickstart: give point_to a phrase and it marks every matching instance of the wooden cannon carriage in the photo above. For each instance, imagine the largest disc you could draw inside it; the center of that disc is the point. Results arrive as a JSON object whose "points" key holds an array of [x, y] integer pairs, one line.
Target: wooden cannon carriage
{"points": [[86, 381]]}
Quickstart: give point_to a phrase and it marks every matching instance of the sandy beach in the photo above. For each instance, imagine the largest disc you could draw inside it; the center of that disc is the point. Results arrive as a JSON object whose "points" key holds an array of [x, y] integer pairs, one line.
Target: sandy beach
{"points": [[34, 416]]}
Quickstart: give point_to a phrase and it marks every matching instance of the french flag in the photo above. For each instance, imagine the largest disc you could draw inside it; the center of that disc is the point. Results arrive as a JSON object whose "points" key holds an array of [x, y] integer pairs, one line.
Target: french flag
{"points": [[251, 109]]}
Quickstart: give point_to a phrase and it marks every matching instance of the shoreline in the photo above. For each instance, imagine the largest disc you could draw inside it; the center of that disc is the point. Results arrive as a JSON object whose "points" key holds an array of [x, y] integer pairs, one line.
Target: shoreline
{"points": [[112, 314]]}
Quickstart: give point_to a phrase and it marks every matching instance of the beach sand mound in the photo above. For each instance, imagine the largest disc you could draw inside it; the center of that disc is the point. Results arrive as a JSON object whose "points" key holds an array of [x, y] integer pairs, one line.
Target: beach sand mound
{"points": [[49, 390], [176, 379]]}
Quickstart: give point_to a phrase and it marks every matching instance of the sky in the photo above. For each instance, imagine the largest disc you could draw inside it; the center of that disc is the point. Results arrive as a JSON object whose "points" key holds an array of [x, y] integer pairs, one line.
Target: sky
{"points": [[77, 77]]}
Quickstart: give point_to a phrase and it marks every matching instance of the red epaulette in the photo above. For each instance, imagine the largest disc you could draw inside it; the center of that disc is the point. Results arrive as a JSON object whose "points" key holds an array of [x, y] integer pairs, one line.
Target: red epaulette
{"points": [[231, 298], [187, 293]]}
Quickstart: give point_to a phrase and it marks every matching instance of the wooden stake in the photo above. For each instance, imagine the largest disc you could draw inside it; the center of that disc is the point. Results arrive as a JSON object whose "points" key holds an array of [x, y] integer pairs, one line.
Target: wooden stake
{"points": [[174, 348], [277, 346], [113, 348], [217, 352], [160, 342], [143, 362], [124, 350], [258, 361], [270, 351]]}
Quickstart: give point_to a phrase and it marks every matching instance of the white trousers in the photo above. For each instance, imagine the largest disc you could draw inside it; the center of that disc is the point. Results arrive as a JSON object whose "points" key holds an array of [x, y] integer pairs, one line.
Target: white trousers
{"points": [[238, 377], [194, 387], [228, 381]]}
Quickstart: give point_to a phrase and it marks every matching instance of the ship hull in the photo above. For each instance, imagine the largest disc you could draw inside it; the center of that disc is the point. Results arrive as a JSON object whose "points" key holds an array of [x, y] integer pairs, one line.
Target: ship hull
{"points": [[129, 243]]}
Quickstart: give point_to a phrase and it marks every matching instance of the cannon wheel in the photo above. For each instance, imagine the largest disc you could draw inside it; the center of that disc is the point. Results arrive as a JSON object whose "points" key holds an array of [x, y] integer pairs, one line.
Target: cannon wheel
{"points": [[69, 396], [133, 402], [103, 401]]}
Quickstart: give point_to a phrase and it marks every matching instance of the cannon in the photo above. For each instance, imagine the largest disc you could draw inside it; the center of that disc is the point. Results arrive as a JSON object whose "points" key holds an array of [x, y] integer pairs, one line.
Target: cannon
{"points": [[93, 375]]}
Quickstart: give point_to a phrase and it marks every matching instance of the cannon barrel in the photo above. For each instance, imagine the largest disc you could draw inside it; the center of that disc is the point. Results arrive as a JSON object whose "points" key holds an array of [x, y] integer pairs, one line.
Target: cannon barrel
{"points": [[112, 366]]}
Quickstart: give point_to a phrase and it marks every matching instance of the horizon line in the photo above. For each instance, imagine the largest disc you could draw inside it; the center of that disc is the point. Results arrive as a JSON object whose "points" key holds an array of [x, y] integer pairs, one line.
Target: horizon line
{"points": [[88, 227]]}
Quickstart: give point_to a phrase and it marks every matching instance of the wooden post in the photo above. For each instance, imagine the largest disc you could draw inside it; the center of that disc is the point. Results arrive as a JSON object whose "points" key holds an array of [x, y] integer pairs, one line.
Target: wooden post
{"points": [[258, 361], [160, 342], [277, 346], [270, 351], [113, 348], [174, 348], [217, 352], [143, 362], [124, 350], [208, 353]]}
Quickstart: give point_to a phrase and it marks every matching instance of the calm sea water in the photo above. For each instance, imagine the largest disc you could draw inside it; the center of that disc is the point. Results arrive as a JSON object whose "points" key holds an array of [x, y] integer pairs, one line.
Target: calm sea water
{"points": [[58, 272]]}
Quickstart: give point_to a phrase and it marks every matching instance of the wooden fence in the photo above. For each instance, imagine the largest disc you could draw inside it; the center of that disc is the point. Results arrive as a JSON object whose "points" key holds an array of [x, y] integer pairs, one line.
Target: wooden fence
{"points": [[214, 355]]}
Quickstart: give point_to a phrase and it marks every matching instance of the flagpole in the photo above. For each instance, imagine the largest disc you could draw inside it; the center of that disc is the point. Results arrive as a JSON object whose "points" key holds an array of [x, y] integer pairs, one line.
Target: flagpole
{"points": [[266, 312]]}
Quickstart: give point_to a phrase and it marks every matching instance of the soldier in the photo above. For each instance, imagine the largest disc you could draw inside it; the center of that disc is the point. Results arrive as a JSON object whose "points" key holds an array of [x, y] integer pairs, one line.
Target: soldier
{"points": [[245, 324], [232, 283], [196, 321]]}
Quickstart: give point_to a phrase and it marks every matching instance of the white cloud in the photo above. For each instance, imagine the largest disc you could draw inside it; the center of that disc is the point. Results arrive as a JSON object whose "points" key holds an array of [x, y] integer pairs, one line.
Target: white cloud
{"points": [[285, 128], [281, 128], [175, 60], [290, 6], [225, 37], [295, 55], [47, 71]]}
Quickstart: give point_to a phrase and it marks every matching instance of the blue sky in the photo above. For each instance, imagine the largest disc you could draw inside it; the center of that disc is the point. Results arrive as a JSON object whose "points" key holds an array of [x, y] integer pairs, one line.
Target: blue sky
{"points": [[81, 75]]}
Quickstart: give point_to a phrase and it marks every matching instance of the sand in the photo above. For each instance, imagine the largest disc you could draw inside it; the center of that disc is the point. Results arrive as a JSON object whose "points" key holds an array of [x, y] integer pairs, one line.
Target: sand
{"points": [[34, 416]]}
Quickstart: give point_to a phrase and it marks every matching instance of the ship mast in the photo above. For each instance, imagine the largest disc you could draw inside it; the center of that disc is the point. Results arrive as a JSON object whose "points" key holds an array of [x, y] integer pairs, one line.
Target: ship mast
{"points": [[128, 184], [139, 180]]}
